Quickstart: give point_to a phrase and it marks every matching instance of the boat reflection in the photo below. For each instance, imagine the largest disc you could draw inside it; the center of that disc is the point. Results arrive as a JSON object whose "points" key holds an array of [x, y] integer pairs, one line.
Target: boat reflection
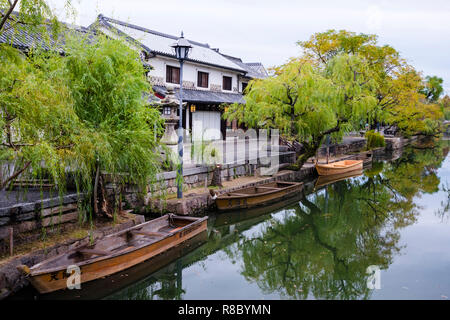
{"points": [[326, 180]]}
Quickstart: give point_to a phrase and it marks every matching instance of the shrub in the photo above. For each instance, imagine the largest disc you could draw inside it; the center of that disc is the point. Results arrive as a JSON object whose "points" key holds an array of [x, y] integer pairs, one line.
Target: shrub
{"points": [[447, 114], [374, 140]]}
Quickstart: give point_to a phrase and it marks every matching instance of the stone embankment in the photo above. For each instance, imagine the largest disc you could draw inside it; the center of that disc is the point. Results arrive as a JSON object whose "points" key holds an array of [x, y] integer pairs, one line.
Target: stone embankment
{"points": [[199, 201]]}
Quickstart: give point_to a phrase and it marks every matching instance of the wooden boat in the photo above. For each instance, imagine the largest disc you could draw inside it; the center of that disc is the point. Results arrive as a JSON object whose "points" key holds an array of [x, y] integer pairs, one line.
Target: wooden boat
{"points": [[239, 216], [257, 195], [115, 252], [104, 287], [326, 180], [338, 167]]}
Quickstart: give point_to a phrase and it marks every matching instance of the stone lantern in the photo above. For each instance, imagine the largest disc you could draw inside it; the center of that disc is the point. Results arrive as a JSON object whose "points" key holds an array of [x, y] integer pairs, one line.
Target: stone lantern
{"points": [[169, 107], [169, 113]]}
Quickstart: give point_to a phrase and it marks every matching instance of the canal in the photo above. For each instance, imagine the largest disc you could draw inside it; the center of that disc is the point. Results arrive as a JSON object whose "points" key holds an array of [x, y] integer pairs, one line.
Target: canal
{"points": [[392, 221]]}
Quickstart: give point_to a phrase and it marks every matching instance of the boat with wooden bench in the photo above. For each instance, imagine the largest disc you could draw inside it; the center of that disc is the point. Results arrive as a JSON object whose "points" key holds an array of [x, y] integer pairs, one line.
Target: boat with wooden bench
{"points": [[115, 252], [338, 167], [258, 195]]}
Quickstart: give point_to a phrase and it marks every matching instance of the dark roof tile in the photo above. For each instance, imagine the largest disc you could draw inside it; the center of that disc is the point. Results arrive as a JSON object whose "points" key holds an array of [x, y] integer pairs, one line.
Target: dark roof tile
{"points": [[203, 96]]}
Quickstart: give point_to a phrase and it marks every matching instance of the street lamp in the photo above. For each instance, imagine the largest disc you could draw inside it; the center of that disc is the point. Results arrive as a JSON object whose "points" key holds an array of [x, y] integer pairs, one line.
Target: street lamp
{"points": [[182, 48]]}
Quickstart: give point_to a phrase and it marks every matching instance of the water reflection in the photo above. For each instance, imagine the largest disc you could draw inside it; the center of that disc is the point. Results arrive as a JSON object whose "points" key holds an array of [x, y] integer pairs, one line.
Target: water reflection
{"points": [[319, 246]]}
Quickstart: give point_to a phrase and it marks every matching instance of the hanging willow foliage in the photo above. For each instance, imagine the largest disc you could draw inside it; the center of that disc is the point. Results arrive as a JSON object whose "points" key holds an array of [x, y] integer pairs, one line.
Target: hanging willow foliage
{"points": [[78, 115], [404, 98], [107, 82], [306, 102], [38, 124]]}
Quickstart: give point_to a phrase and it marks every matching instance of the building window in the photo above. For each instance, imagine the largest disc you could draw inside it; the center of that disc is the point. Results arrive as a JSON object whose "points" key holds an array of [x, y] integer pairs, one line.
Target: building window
{"points": [[226, 83], [244, 85], [172, 74], [202, 79]]}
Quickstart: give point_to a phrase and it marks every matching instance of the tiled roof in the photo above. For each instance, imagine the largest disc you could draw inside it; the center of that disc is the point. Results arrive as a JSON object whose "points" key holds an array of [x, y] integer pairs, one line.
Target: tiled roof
{"points": [[160, 43], [203, 96], [259, 68], [25, 37], [254, 70]]}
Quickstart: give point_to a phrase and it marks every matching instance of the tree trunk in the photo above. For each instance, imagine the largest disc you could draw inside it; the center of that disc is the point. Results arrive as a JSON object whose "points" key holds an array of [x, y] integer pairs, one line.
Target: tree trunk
{"points": [[301, 160], [101, 204], [217, 176], [7, 14], [95, 193], [4, 184], [107, 208], [310, 150]]}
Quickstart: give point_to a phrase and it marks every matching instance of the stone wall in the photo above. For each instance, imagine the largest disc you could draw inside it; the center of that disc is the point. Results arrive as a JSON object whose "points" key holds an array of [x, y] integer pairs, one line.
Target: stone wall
{"points": [[349, 145], [201, 176], [396, 143], [195, 177], [22, 214], [196, 204]]}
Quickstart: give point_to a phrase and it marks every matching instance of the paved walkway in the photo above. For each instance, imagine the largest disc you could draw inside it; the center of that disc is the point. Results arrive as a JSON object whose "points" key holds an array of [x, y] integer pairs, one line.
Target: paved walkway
{"points": [[227, 152]]}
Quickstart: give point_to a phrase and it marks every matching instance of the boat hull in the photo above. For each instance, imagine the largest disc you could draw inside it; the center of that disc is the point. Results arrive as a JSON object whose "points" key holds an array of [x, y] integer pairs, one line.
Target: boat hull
{"points": [[230, 202], [336, 167], [329, 179], [57, 280]]}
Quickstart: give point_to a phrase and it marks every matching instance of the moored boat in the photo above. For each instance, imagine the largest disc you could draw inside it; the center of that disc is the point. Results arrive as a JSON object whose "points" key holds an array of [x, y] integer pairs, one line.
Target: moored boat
{"points": [[115, 252], [257, 195], [338, 167], [326, 180]]}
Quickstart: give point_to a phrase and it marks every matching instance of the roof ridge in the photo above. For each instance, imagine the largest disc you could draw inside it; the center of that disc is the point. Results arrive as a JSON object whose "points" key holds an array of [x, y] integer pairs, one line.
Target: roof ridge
{"points": [[130, 25], [232, 57], [68, 25]]}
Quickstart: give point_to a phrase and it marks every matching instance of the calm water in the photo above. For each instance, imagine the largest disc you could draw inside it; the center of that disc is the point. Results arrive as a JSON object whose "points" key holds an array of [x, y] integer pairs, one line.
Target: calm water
{"points": [[395, 217]]}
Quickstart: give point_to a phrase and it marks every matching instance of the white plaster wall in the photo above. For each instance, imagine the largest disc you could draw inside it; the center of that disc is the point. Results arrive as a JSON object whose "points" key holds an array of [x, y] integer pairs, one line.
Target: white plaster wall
{"points": [[190, 72]]}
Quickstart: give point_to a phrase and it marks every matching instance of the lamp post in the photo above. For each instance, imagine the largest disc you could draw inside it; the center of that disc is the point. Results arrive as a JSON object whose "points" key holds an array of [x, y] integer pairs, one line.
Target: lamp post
{"points": [[181, 47]]}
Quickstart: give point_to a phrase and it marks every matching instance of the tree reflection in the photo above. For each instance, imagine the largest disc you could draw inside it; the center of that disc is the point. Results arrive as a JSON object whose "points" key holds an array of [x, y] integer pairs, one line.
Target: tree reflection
{"points": [[323, 246]]}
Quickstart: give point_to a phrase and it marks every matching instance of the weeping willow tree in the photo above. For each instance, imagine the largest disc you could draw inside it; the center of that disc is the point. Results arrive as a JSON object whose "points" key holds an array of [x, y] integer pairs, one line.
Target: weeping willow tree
{"points": [[30, 12], [404, 98], [76, 116], [38, 126], [107, 82], [306, 102]]}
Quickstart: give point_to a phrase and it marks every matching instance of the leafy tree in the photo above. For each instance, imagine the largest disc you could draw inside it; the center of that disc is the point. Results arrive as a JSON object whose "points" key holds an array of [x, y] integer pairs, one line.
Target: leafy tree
{"points": [[433, 88], [37, 124], [399, 90], [32, 12], [107, 82], [307, 103], [444, 102], [78, 114], [35, 15], [410, 111]]}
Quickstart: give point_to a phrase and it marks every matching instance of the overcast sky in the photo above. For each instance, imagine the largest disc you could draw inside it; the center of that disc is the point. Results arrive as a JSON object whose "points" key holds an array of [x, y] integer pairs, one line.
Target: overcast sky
{"points": [[267, 30]]}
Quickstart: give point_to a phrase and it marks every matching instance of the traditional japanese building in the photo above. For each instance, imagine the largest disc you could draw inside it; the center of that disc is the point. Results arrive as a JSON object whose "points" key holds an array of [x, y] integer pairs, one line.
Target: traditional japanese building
{"points": [[211, 80]]}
